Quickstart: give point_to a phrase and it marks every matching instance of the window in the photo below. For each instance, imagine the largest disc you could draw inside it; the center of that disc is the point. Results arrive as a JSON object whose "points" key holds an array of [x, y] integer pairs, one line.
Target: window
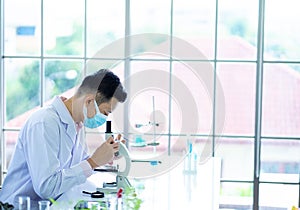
{"points": [[192, 68]]}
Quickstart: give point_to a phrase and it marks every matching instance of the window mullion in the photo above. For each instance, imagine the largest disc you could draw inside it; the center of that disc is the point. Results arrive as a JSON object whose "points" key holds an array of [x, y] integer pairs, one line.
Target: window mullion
{"points": [[258, 102], [2, 105]]}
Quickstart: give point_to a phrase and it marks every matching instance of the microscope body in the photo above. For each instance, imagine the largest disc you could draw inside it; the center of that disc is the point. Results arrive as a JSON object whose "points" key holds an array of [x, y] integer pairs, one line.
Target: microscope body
{"points": [[121, 178]]}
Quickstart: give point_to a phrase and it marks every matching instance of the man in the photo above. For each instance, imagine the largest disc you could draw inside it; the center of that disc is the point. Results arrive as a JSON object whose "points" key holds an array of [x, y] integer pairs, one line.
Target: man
{"points": [[51, 154]]}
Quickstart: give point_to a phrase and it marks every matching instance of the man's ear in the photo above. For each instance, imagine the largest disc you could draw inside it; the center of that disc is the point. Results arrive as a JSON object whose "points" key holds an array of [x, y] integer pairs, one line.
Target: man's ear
{"points": [[89, 99]]}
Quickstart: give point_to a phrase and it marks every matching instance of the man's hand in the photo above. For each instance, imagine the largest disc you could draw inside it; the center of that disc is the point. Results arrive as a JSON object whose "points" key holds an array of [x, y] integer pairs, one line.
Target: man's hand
{"points": [[117, 155], [119, 137], [104, 153]]}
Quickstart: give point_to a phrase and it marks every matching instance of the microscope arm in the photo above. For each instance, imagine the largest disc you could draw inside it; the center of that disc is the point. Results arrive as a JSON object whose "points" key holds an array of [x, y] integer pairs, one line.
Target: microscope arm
{"points": [[123, 151]]}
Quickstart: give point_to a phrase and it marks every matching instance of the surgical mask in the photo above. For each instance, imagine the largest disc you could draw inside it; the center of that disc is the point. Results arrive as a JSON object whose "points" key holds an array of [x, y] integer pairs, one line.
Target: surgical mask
{"points": [[96, 121]]}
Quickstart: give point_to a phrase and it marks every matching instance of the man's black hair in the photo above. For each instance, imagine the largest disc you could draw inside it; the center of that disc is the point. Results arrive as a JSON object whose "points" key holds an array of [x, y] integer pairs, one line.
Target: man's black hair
{"points": [[105, 84]]}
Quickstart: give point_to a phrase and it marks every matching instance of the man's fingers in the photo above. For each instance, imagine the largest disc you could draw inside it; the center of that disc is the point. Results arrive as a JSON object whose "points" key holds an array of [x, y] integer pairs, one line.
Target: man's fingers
{"points": [[116, 145], [110, 140]]}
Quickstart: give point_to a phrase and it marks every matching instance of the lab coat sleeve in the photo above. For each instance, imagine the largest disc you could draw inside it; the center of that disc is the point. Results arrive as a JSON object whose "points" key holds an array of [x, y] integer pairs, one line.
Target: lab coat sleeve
{"points": [[42, 149], [86, 167]]}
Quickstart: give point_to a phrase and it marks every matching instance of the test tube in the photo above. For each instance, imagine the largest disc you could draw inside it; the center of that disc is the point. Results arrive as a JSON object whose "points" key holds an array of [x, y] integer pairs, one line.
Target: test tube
{"points": [[24, 202], [44, 205]]}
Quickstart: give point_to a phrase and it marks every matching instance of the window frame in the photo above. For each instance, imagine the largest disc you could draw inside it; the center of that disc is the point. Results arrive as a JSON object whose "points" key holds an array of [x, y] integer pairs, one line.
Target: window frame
{"points": [[260, 61]]}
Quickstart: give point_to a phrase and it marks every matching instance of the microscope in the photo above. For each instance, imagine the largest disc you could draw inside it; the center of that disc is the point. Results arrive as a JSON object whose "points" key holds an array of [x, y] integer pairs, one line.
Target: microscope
{"points": [[121, 178]]}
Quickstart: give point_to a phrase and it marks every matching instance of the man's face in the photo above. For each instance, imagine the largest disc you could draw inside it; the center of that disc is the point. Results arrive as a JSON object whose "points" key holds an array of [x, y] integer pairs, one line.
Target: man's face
{"points": [[108, 107], [105, 108]]}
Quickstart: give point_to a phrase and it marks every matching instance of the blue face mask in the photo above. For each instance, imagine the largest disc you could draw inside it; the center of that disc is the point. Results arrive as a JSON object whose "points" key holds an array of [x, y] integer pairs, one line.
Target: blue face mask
{"points": [[96, 121]]}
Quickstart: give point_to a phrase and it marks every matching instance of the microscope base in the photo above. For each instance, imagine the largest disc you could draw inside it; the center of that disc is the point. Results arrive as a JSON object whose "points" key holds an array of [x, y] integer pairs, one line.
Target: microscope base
{"points": [[121, 182]]}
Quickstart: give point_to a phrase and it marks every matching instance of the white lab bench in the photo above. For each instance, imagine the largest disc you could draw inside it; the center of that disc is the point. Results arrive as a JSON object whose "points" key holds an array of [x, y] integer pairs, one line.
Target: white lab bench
{"points": [[176, 189]]}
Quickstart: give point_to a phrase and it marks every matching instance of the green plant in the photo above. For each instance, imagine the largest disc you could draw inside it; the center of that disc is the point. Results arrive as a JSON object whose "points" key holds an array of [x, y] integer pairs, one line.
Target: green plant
{"points": [[131, 200], [246, 191]]}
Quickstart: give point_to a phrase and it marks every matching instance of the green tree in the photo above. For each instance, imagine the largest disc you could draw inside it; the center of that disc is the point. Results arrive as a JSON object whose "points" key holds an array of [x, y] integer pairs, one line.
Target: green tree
{"points": [[23, 93], [69, 45]]}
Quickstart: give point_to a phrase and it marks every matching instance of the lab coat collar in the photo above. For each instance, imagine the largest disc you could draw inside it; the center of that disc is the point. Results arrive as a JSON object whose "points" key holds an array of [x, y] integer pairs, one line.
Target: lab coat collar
{"points": [[65, 117]]}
